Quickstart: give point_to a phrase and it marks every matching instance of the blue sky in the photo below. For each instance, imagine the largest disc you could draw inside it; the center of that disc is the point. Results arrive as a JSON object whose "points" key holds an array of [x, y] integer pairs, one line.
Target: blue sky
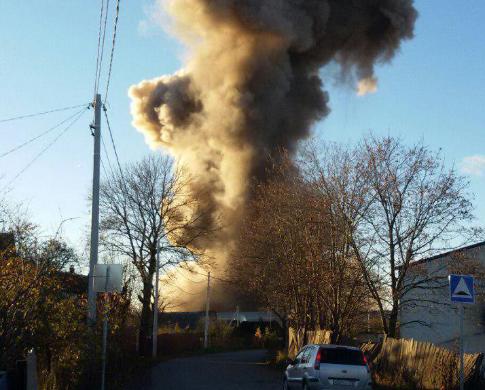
{"points": [[434, 91]]}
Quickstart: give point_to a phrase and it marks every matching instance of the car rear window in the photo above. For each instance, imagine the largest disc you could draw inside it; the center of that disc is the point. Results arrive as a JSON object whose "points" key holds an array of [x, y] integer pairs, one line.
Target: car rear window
{"points": [[342, 356]]}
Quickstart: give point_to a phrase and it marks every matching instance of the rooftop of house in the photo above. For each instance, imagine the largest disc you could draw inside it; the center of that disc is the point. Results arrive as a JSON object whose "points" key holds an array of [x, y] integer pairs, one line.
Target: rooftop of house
{"points": [[448, 253], [7, 241], [72, 283]]}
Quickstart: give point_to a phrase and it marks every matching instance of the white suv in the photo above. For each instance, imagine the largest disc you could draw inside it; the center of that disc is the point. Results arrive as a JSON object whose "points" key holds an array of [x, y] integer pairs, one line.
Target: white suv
{"points": [[333, 367]]}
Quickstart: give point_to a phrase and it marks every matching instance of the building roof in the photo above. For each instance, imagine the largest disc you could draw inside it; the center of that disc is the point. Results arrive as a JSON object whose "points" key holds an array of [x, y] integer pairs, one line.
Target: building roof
{"points": [[247, 316], [183, 319], [73, 283], [448, 253]]}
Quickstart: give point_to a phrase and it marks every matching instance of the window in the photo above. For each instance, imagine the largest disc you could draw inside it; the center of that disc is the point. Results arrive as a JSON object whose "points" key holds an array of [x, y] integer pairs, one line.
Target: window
{"points": [[299, 357], [307, 355], [342, 356]]}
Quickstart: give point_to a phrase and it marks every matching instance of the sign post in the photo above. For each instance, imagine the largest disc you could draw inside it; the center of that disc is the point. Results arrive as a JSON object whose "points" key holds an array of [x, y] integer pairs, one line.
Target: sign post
{"points": [[462, 292], [107, 279]]}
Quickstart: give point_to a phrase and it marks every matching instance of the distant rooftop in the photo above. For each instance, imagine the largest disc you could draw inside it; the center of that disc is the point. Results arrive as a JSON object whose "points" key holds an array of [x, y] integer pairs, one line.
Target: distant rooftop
{"points": [[448, 253], [7, 241], [248, 316]]}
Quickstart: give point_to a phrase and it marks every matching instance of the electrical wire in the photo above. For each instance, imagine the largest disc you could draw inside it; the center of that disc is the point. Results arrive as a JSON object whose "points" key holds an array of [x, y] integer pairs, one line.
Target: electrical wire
{"points": [[107, 155], [104, 169], [115, 29], [47, 147], [178, 269], [212, 277], [180, 288], [99, 46], [113, 143], [102, 44], [51, 129], [41, 113]]}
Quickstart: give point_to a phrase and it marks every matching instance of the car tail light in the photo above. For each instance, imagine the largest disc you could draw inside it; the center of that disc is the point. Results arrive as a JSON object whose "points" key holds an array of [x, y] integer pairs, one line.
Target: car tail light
{"points": [[366, 362], [318, 359]]}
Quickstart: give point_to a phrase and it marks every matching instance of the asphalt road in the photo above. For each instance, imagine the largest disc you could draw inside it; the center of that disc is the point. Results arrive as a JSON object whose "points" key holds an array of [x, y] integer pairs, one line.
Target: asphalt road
{"points": [[242, 370]]}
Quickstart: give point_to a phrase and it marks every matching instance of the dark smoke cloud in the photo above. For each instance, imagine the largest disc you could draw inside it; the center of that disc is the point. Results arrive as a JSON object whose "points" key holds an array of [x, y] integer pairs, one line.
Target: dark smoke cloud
{"points": [[251, 85]]}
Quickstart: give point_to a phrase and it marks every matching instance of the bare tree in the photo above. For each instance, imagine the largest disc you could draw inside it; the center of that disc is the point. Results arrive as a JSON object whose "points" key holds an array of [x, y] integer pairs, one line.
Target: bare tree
{"points": [[146, 207], [400, 204], [292, 254]]}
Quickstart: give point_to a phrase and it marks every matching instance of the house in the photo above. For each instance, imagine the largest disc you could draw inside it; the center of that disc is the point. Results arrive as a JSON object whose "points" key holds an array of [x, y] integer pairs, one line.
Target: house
{"points": [[426, 312], [72, 283], [185, 320], [7, 243], [191, 319]]}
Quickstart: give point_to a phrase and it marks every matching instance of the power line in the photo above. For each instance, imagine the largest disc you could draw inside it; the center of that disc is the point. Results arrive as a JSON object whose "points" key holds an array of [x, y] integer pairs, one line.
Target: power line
{"points": [[104, 169], [41, 113], [113, 143], [212, 277], [99, 46], [40, 135], [107, 155], [48, 146], [101, 43], [112, 49], [186, 277], [180, 288]]}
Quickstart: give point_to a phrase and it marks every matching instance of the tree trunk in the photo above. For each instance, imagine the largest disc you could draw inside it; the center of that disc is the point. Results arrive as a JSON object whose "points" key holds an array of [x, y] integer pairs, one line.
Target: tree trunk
{"points": [[286, 331], [335, 333], [393, 327], [146, 320]]}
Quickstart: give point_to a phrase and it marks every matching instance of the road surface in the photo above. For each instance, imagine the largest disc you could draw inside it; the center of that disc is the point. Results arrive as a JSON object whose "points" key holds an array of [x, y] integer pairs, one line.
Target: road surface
{"points": [[242, 370]]}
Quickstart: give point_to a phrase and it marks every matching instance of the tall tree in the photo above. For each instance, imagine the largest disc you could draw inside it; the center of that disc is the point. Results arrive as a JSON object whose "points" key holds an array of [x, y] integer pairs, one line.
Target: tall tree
{"points": [[400, 204], [145, 208], [292, 253]]}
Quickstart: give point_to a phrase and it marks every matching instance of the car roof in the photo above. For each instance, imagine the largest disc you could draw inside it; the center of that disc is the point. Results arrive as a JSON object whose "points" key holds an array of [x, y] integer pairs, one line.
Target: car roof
{"points": [[335, 346]]}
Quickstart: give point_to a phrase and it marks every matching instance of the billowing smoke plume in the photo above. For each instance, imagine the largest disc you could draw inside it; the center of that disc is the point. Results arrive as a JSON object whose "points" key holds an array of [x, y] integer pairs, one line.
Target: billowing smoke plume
{"points": [[251, 86]]}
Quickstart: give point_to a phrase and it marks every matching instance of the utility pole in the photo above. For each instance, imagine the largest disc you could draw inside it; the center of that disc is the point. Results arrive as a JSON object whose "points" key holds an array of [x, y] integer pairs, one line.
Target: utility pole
{"points": [[207, 305], [155, 305], [93, 259]]}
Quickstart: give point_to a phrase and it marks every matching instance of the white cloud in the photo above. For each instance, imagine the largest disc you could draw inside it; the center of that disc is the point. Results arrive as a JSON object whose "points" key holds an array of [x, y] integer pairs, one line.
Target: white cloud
{"points": [[473, 165], [144, 28], [154, 18]]}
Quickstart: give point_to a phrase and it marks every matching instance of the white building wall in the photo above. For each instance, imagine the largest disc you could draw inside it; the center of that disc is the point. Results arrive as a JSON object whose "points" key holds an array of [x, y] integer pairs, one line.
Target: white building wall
{"points": [[427, 314]]}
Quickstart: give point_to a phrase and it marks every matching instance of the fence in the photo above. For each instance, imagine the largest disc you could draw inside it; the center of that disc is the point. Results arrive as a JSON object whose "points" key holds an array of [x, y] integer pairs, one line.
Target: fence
{"points": [[405, 363], [420, 365], [296, 339]]}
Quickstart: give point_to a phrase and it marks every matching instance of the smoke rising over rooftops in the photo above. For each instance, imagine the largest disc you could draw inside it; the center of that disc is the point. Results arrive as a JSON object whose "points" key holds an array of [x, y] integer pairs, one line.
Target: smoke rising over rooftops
{"points": [[251, 86]]}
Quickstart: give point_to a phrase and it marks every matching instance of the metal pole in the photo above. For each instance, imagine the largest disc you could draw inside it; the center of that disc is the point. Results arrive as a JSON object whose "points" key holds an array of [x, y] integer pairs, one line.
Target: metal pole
{"points": [[93, 259], [207, 305], [155, 306], [105, 332], [462, 352]]}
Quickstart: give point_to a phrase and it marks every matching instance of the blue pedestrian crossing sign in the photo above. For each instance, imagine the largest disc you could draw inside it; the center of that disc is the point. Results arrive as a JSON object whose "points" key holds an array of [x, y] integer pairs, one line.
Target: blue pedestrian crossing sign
{"points": [[461, 288]]}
